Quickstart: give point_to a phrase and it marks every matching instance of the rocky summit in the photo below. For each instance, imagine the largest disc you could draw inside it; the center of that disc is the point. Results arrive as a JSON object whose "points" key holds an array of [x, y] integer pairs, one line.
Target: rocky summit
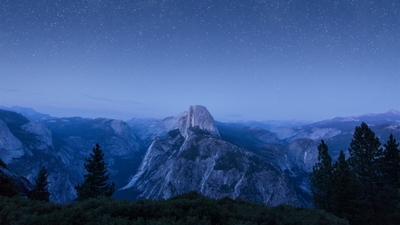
{"points": [[198, 116], [195, 158]]}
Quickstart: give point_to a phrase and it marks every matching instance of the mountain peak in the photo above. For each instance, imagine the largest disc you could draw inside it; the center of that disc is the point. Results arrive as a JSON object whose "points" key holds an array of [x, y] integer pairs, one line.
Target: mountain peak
{"points": [[198, 116], [394, 112]]}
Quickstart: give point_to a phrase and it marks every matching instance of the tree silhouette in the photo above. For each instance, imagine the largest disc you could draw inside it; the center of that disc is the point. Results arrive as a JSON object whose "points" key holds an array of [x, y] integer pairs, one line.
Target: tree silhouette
{"points": [[366, 162], [391, 170], [390, 196], [346, 190], [321, 178], [40, 192], [95, 183]]}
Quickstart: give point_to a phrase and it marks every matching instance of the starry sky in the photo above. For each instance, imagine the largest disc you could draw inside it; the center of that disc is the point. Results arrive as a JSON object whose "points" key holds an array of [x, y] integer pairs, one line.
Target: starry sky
{"points": [[242, 59]]}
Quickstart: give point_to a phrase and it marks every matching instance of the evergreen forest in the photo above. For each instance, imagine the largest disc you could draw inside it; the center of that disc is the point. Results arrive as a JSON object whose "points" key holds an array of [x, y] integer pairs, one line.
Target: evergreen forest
{"points": [[365, 187], [190, 208]]}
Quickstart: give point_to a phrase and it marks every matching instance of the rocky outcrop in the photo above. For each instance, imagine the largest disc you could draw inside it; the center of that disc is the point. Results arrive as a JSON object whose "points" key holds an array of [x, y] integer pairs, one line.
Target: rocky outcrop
{"points": [[119, 140], [44, 139], [198, 116], [301, 153]]}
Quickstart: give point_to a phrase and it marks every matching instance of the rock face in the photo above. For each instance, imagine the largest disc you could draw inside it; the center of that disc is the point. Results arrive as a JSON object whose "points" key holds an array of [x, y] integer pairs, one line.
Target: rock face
{"points": [[194, 157], [10, 146], [42, 133], [301, 153], [198, 116]]}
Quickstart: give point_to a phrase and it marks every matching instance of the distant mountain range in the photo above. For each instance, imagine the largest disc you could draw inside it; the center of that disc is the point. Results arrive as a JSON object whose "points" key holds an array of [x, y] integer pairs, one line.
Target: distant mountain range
{"points": [[264, 162], [29, 113]]}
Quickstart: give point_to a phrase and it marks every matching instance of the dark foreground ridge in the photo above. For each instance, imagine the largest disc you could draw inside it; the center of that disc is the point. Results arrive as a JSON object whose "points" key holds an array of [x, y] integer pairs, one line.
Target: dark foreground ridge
{"points": [[189, 208]]}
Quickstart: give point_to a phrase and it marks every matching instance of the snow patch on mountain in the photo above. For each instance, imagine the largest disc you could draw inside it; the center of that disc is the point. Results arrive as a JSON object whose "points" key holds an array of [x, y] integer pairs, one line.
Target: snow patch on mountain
{"points": [[350, 118], [320, 133], [395, 112], [393, 126]]}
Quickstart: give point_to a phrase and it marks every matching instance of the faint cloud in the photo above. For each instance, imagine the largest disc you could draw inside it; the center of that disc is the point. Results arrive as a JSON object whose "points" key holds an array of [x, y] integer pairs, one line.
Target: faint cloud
{"points": [[43, 94], [10, 90], [111, 100], [98, 99], [134, 103], [234, 115], [230, 117]]}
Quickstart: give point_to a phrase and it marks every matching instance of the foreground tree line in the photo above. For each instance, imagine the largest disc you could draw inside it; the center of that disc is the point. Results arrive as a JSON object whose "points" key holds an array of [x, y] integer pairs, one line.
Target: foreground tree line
{"points": [[190, 208], [365, 187]]}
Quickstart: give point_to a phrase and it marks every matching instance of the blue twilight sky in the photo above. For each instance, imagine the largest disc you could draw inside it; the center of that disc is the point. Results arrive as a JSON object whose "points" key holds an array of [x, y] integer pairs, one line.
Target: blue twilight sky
{"points": [[253, 59]]}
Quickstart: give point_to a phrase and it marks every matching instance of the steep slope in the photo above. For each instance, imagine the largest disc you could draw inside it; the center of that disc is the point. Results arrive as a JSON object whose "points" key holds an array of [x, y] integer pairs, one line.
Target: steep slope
{"points": [[194, 157], [10, 146]]}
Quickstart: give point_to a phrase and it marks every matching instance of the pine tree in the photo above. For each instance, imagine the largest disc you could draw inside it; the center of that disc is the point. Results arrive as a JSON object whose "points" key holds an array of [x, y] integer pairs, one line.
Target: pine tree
{"points": [[366, 162], [389, 196], [391, 171], [40, 192], [321, 178], [346, 190], [95, 183]]}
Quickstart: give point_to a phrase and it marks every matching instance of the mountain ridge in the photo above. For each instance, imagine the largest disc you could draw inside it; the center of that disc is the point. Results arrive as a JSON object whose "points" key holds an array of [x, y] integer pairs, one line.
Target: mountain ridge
{"points": [[212, 158], [31, 113]]}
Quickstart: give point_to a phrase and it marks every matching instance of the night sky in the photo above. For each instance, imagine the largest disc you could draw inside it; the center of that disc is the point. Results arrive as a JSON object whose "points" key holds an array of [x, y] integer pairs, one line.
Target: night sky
{"points": [[243, 60]]}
